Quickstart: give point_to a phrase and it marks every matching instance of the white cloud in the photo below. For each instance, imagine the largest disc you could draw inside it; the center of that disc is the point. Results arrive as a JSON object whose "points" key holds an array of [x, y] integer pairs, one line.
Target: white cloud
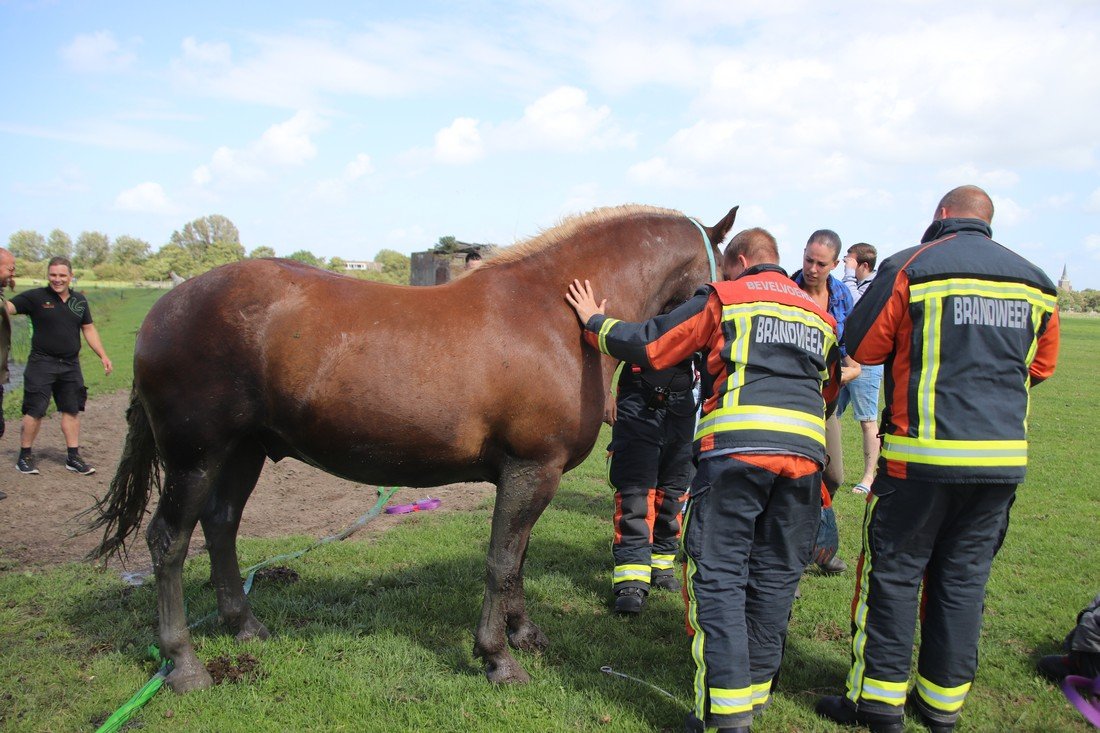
{"points": [[1092, 246], [97, 52], [806, 104], [145, 198], [335, 189], [211, 54], [1093, 204], [858, 198], [289, 143], [97, 133], [564, 120], [970, 174], [282, 145], [580, 197], [460, 142], [358, 167], [657, 171], [1007, 212], [303, 68], [68, 180], [560, 121]]}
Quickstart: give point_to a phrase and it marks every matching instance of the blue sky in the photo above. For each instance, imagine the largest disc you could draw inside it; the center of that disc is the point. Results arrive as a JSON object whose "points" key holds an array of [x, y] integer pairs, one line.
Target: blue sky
{"points": [[348, 127]]}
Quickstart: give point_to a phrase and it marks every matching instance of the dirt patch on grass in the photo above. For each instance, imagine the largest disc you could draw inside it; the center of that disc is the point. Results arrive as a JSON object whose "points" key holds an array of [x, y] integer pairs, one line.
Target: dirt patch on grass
{"points": [[38, 525]]}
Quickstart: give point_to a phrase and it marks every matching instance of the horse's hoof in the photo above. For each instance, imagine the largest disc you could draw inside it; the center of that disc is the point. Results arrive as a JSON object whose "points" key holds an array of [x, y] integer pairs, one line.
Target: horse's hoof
{"points": [[253, 629], [183, 681], [528, 638], [506, 672]]}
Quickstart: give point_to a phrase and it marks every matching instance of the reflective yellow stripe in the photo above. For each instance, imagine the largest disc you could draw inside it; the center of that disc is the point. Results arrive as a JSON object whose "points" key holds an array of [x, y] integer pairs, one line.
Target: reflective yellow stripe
{"points": [[759, 417], [741, 316], [761, 691], [739, 355], [662, 562], [930, 369], [859, 617], [947, 699], [891, 693], [954, 452], [729, 702], [624, 573], [776, 310], [604, 329], [932, 295], [697, 640], [983, 288]]}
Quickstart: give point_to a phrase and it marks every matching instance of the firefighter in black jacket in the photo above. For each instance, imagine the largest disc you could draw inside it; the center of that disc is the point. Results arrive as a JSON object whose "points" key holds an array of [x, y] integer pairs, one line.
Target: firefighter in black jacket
{"points": [[755, 501], [649, 465], [964, 327]]}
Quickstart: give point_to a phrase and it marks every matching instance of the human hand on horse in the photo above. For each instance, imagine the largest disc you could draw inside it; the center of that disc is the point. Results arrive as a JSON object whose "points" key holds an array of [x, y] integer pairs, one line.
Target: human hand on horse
{"points": [[583, 300]]}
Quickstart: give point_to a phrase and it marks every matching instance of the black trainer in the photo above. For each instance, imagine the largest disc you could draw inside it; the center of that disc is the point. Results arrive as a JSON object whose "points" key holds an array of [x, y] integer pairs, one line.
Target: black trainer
{"points": [[665, 581], [27, 464], [629, 600], [840, 710], [77, 464]]}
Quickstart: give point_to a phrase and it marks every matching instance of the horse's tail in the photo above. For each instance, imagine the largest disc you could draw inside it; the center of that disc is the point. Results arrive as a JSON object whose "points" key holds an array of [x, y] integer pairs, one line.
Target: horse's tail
{"points": [[120, 512]]}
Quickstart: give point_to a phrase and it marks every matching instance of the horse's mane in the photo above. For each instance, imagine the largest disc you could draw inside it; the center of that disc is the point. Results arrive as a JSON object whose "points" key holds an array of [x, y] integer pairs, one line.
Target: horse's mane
{"points": [[568, 227]]}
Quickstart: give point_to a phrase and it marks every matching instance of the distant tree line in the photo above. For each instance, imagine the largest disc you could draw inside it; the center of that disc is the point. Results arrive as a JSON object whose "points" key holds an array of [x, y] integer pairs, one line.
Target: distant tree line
{"points": [[199, 246], [1079, 301]]}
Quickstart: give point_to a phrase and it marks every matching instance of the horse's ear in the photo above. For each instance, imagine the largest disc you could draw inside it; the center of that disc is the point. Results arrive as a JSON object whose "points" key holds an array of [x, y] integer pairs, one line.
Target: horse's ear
{"points": [[718, 232]]}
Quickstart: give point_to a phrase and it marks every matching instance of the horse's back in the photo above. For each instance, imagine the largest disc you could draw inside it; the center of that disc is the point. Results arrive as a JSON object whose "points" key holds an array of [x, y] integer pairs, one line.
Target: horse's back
{"points": [[365, 379]]}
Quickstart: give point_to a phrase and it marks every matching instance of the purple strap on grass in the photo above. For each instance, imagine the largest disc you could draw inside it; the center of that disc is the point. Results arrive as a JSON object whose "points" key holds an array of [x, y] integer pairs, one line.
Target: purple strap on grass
{"points": [[1088, 703], [423, 505]]}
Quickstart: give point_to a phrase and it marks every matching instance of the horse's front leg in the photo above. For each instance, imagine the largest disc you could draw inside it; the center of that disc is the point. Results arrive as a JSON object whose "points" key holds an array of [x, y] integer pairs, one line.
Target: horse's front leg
{"points": [[524, 490]]}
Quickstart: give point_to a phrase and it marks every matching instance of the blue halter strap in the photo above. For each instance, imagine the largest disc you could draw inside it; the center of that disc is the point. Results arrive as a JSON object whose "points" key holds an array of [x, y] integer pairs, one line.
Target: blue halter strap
{"points": [[709, 249]]}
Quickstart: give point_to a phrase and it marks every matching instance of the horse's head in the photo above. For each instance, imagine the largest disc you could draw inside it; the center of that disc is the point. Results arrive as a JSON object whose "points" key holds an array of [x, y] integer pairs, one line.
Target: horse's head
{"points": [[701, 258]]}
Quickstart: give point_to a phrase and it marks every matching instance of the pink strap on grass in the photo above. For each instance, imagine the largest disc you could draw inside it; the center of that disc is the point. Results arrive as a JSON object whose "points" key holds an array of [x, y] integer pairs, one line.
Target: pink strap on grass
{"points": [[1089, 702], [423, 505]]}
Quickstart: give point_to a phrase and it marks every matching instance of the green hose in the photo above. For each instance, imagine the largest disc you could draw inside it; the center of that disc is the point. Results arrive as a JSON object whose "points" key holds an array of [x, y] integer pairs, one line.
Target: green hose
{"points": [[145, 694]]}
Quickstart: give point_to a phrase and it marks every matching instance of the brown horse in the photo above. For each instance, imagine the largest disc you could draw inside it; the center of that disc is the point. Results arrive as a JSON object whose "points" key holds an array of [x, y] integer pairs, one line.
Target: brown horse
{"points": [[485, 378]]}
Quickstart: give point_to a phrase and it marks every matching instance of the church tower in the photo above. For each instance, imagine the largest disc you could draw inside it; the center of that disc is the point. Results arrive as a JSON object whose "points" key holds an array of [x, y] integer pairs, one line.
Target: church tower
{"points": [[1063, 282]]}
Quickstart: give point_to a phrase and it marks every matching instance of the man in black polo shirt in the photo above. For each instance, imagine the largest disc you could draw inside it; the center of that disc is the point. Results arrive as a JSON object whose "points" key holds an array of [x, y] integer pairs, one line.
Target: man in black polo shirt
{"points": [[58, 316]]}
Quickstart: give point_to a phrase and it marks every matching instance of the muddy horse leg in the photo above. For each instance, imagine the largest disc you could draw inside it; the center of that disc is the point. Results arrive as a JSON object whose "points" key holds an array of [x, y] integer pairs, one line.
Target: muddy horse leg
{"points": [[232, 486], [524, 490], [168, 536]]}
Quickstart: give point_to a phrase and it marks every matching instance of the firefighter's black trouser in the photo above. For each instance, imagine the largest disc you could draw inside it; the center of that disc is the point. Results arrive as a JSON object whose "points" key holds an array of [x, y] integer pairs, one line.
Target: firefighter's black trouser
{"points": [[748, 534], [650, 468], [947, 535]]}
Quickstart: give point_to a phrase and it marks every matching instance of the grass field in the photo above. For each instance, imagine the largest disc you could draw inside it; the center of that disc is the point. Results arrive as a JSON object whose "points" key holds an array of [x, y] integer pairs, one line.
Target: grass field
{"points": [[377, 636]]}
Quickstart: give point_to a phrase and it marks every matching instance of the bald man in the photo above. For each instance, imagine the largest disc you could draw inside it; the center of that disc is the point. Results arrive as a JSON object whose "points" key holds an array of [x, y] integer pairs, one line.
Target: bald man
{"points": [[964, 327]]}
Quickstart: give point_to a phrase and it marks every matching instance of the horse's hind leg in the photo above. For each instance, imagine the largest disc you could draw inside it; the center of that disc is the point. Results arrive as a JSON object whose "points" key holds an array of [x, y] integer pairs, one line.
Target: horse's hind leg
{"points": [[221, 518], [168, 535], [524, 490]]}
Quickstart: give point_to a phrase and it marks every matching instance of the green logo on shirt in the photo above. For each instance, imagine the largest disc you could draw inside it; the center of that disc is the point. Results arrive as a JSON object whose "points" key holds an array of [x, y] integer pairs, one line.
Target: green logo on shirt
{"points": [[78, 306]]}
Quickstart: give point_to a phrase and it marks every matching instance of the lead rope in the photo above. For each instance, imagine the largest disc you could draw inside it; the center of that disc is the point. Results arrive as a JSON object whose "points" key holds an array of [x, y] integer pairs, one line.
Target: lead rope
{"points": [[709, 249], [606, 669], [145, 694]]}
